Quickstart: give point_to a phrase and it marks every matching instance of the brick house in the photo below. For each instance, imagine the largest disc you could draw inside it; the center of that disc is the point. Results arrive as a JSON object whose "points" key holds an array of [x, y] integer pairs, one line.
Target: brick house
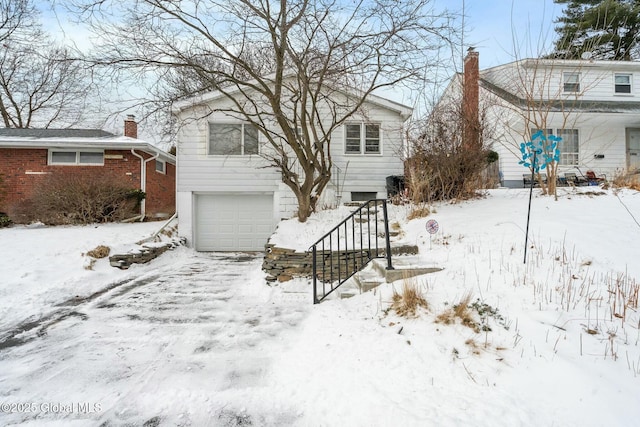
{"points": [[29, 155]]}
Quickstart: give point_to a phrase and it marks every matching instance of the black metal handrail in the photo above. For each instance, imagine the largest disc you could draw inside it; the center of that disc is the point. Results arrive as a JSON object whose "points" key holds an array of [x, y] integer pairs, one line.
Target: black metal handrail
{"points": [[335, 260]]}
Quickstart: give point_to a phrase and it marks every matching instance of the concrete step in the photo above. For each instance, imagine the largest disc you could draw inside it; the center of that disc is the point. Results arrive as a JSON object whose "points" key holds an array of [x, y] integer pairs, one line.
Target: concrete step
{"points": [[363, 281], [404, 267]]}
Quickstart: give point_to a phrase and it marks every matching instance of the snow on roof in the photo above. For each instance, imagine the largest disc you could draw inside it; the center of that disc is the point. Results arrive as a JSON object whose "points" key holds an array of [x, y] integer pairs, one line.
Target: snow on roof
{"points": [[75, 138]]}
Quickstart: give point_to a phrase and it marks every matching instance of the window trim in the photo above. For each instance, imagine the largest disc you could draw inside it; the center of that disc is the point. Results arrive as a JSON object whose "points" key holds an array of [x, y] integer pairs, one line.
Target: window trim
{"points": [[77, 161], [566, 85], [163, 170], [572, 153], [630, 85], [362, 151], [242, 139]]}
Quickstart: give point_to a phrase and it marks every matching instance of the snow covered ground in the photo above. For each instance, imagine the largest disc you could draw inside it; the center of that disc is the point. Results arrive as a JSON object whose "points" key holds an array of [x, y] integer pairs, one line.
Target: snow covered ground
{"points": [[200, 339]]}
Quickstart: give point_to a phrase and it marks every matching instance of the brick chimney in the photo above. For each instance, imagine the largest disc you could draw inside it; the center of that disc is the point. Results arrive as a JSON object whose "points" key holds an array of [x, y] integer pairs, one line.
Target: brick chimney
{"points": [[130, 126], [471, 101]]}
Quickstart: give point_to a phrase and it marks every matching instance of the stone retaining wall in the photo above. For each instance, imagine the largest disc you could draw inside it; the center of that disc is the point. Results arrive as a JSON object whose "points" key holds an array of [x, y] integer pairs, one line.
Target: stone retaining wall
{"points": [[144, 254], [283, 264]]}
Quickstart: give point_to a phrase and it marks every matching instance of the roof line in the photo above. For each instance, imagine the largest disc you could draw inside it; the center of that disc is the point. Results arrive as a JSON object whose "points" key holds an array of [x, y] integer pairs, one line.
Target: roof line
{"points": [[558, 105]]}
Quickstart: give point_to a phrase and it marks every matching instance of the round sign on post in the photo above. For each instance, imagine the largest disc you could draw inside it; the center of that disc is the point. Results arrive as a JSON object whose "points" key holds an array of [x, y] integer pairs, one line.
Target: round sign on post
{"points": [[432, 226]]}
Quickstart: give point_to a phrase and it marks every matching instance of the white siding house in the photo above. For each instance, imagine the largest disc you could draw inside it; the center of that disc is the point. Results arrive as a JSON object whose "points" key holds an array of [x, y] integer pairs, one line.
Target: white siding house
{"points": [[593, 105], [229, 199]]}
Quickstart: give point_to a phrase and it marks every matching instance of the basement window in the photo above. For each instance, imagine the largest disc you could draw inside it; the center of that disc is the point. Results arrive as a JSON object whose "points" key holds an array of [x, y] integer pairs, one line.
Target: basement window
{"points": [[70, 158], [363, 196]]}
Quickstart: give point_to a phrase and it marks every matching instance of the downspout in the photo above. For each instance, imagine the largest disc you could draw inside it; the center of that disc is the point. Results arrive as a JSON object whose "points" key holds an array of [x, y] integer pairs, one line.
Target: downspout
{"points": [[143, 178]]}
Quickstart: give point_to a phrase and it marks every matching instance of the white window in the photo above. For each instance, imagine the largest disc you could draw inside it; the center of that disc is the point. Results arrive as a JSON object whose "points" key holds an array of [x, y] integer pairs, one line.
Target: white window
{"points": [[67, 157], [227, 139], [362, 138], [622, 83], [161, 166], [571, 82], [569, 147]]}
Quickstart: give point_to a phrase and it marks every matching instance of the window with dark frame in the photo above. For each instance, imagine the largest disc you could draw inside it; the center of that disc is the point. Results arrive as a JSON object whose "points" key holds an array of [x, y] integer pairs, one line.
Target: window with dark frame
{"points": [[362, 138], [622, 83], [571, 81], [67, 157], [161, 166], [228, 139]]}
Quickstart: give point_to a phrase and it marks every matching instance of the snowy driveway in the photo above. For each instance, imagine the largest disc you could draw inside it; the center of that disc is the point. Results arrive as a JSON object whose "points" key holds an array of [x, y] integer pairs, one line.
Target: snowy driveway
{"points": [[189, 343]]}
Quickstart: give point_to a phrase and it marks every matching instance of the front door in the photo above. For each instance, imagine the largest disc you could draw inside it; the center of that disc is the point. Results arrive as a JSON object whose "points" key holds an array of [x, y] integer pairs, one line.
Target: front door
{"points": [[633, 149]]}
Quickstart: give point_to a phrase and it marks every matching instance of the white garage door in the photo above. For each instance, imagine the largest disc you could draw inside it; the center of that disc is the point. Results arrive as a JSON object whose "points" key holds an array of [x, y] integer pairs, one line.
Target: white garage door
{"points": [[233, 222]]}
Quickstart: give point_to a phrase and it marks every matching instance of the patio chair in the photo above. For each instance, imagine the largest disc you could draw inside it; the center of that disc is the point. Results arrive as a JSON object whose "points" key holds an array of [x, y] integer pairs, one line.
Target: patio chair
{"points": [[574, 180], [594, 179]]}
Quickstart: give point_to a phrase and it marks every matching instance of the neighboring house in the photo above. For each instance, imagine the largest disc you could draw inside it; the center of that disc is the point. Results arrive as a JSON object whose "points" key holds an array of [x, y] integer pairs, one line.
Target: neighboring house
{"points": [[233, 202], [28, 156], [593, 105]]}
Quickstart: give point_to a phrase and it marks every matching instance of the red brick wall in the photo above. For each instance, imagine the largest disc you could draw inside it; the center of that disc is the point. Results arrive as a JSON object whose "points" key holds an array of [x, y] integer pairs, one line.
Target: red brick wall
{"points": [[470, 101], [22, 169], [161, 190]]}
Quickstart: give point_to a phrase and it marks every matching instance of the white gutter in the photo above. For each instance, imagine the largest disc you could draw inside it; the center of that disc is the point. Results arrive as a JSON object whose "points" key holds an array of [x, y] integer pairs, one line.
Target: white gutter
{"points": [[143, 178]]}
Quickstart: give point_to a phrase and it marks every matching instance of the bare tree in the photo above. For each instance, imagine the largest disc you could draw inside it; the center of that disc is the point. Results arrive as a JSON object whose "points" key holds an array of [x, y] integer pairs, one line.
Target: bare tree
{"points": [[296, 69], [41, 84], [14, 16]]}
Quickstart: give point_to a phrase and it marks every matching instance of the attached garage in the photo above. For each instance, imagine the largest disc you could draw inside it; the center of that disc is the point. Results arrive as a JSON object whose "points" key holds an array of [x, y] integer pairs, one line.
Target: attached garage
{"points": [[233, 222]]}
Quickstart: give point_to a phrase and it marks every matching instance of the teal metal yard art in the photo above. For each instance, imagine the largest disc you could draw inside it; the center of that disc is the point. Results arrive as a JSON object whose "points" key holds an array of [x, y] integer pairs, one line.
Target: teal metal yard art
{"points": [[537, 154]]}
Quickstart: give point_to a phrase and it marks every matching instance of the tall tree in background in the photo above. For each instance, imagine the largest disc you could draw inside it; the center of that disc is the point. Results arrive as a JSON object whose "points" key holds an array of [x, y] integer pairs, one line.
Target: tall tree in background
{"points": [[41, 84], [295, 69], [601, 29]]}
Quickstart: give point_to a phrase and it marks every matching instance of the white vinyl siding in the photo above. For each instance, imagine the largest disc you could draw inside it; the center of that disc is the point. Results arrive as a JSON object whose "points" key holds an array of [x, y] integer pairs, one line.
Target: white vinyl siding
{"points": [[362, 138], [67, 157], [228, 139]]}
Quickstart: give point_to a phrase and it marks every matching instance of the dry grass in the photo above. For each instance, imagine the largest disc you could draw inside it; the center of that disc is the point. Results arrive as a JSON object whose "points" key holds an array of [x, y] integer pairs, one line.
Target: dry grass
{"points": [[408, 302], [474, 347], [100, 251], [418, 212], [460, 311], [627, 180]]}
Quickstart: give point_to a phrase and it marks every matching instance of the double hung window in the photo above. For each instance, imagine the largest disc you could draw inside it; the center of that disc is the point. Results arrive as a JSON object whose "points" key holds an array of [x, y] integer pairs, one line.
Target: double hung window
{"points": [[362, 138], [226, 139]]}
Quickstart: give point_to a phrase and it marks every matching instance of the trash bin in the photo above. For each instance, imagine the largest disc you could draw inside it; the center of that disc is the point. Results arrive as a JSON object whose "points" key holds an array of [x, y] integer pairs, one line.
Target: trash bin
{"points": [[395, 185]]}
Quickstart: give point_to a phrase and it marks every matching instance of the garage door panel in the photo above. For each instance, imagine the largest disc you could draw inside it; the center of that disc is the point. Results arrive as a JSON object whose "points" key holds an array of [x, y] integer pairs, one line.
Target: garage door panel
{"points": [[247, 228], [262, 229], [233, 222]]}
